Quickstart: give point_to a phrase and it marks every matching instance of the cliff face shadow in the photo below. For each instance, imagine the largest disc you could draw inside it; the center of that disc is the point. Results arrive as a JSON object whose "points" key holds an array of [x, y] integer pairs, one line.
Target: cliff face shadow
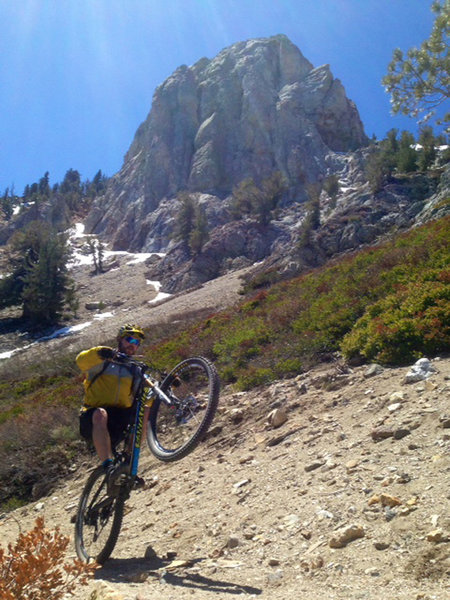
{"points": [[139, 570]]}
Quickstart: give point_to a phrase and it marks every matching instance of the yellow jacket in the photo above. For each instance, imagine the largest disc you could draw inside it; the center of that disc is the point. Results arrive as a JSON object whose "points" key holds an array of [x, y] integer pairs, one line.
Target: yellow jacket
{"points": [[106, 383]]}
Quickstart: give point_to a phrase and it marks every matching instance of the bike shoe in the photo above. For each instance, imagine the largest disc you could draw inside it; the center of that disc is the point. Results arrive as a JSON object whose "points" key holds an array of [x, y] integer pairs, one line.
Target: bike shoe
{"points": [[113, 474]]}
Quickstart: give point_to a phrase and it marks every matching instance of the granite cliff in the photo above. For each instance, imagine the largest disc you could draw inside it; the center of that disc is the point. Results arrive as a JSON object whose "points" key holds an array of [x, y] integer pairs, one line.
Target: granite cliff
{"points": [[258, 107]]}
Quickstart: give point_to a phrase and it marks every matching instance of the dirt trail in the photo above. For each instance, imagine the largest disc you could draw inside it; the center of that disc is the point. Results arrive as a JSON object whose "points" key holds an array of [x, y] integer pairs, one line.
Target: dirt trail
{"points": [[360, 462]]}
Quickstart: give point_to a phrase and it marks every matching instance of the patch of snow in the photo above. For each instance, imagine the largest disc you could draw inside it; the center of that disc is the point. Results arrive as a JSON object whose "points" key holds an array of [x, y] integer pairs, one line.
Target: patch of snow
{"points": [[9, 353], [418, 147], [65, 331], [110, 253], [159, 296], [78, 230], [139, 258], [80, 260], [101, 316]]}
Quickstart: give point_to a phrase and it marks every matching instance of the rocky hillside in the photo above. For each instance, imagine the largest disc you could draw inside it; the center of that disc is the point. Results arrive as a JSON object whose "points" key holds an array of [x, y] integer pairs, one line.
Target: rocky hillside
{"points": [[258, 110], [330, 485], [357, 217]]}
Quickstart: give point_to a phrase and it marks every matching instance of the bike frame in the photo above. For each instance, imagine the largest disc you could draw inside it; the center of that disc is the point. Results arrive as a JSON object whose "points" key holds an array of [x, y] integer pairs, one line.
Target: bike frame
{"points": [[138, 427]]}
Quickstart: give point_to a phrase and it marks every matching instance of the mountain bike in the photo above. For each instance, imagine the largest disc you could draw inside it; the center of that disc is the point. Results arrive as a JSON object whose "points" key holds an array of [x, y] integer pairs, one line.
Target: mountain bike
{"points": [[182, 407]]}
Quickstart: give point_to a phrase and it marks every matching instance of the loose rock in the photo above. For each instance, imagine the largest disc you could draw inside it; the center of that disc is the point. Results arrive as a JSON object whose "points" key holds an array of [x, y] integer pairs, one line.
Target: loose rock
{"points": [[103, 591], [346, 535], [420, 371], [437, 536], [277, 418], [373, 370], [314, 465], [381, 433]]}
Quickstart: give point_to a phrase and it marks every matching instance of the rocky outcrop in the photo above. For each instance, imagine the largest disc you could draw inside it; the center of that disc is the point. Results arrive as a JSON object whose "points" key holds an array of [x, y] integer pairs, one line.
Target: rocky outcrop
{"points": [[256, 108], [354, 218], [56, 213], [232, 246]]}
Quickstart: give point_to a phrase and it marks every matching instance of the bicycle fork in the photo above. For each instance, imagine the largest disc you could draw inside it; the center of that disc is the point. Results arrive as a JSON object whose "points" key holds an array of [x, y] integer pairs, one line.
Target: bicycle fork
{"points": [[139, 425]]}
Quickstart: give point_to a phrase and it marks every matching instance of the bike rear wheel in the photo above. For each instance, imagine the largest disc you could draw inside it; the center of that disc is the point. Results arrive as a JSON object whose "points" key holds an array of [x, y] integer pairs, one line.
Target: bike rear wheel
{"points": [[174, 431], [99, 519]]}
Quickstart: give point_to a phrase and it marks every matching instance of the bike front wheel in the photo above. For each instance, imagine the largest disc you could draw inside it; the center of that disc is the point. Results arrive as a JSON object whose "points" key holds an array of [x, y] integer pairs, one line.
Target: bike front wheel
{"points": [[99, 519], [174, 431]]}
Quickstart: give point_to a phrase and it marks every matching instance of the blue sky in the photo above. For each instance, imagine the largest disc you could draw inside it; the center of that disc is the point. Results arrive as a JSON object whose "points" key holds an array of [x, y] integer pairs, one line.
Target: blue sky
{"points": [[77, 76]]}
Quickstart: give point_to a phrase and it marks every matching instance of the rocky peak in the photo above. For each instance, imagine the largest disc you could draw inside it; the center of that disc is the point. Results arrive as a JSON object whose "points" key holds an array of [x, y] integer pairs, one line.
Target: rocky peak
{"points": [[259, 106]]}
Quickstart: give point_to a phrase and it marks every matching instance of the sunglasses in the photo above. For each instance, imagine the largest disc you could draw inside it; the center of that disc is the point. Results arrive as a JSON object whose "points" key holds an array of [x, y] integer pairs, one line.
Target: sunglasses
{"points": [[132, 340]]}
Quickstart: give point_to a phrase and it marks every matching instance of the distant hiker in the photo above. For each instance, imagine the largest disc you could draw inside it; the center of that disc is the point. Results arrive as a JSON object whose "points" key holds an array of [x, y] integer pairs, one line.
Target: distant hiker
{"points": [[110, 388]]}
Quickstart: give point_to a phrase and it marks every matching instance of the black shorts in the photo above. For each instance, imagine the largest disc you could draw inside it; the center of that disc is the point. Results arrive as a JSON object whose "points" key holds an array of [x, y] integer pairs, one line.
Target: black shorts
{"points": [[118, 421]]}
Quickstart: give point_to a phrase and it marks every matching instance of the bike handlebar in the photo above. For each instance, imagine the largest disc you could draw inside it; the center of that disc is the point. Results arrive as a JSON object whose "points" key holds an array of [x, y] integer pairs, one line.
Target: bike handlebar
{"points": [[123, 358]]}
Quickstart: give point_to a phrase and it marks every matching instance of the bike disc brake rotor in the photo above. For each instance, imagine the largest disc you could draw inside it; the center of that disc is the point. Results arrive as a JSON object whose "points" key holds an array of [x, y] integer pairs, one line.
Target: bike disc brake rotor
{"points": [[176, 424]]}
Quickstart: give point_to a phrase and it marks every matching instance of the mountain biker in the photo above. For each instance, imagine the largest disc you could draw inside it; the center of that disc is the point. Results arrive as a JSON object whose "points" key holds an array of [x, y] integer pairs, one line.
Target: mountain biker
{"points": [[110, 388]]}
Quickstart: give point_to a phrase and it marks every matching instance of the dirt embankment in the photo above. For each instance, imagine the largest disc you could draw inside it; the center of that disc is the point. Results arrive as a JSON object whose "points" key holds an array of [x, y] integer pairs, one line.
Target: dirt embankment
{"points": [[342, 492]]}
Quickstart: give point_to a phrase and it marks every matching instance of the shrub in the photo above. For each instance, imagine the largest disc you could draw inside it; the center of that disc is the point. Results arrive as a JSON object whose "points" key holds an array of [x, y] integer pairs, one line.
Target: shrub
{"points": [[405, 325], [254, 377], [34, 569], [36, 449]]}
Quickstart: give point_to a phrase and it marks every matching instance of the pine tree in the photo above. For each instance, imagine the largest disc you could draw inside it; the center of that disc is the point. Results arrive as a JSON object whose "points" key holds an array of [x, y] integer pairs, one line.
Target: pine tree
{"points": [[100, 255], [312, 218], [97, 250], [98, 184], [244, 197], [199, 234], [71, 189], [39, 279], [382, 161], [271, 192], [259, 201], [7, 205], [184, 221], [331, 187], [419, 82], [44, 186], [427, 154], [407, 154]]}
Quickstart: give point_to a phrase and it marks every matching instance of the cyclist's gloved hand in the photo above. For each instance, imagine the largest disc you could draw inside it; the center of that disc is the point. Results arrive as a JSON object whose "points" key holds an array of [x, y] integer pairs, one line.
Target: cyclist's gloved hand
{"points": [[106, 353]]}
